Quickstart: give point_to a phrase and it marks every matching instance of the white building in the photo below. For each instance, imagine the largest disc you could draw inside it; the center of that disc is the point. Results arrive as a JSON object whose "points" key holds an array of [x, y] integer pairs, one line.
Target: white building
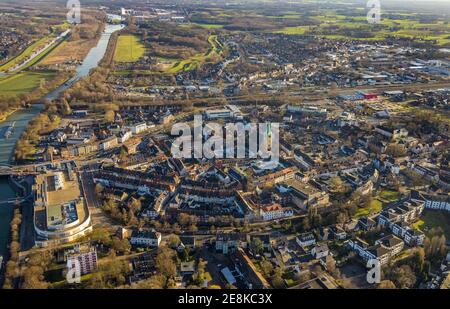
{"points": [[320, 251], [305, 240], [86, 261], [124, 136], [59, 180], [108, 143], [138, 128], [146, 239], [274, 212]]}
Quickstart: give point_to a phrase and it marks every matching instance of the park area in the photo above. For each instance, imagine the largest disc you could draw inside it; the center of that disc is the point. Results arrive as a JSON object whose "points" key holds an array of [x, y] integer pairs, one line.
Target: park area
{"points": [[432, 219], [129, 49], [194, 62], [383, 198]]}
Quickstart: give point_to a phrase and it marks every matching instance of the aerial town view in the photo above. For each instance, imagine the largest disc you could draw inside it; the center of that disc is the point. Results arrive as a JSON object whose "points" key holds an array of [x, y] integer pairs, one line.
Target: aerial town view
{"points": [[211, 144]]}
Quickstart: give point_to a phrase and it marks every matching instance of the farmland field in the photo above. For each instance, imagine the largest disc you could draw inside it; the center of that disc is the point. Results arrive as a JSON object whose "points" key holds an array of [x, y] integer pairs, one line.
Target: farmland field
{"points": [[129, 49], [339, 27], [293, 30], [208, 26], [23, 83]]}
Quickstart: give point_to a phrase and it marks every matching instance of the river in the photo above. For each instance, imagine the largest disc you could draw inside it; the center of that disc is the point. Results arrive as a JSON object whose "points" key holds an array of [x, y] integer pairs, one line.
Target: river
{"points": [[22, 117]]}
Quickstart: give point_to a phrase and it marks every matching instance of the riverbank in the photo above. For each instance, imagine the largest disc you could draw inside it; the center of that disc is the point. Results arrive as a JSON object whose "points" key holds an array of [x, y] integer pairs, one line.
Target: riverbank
{"points": [[24, 116], [6, 215], [4, 116]]}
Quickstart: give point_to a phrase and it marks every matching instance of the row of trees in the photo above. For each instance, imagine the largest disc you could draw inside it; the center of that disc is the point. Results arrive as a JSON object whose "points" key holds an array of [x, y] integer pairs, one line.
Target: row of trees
{"points": [[47, 121], [102, 236], [13, 263], [110, 274], [124, 213], [408, 272], [34, 270]]}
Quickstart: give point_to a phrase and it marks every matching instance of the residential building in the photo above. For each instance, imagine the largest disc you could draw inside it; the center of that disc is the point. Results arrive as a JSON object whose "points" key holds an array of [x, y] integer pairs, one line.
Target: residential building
{"points": [[227, 242], [138, 128], [320, 251], [275, 212], [305, 239], [146, 239], [108, 143], [87, 262]]}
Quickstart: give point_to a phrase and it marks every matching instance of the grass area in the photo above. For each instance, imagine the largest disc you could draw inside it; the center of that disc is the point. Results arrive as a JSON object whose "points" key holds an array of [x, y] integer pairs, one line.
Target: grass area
{"points": [[195, 61], [374, 207], [63, 284], [384, 197], [216, 46], [389, 195], [293, 30], [43, 55], [129, 49], [69, 51], [209, 26], [434, 218], [23, 82]]}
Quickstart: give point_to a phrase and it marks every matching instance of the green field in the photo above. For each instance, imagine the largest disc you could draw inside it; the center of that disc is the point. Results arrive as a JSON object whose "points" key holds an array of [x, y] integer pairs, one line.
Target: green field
{"points": [[23, 83], [375, 206], [383, 198], [208, 26], [340, 27], [388, 196], [293, 30], [129, 49], [195, 61], [434, 218]]}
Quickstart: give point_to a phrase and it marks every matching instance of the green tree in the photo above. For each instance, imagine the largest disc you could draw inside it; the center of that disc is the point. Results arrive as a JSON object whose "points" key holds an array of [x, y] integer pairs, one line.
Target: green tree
{"points": [[165, 263], [257, 245], [278, 282], [266, 267], [121, 245], [174, 241]]}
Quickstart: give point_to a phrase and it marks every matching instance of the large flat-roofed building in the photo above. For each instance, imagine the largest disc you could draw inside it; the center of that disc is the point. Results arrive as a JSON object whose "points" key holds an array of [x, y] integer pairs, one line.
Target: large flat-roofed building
{"points": [[219, 114], [304, 195], [61, 214]]}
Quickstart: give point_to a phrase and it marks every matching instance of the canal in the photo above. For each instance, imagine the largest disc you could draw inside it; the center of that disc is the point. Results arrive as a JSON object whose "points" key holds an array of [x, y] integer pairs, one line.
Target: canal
{"points": [[21, 118]]}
